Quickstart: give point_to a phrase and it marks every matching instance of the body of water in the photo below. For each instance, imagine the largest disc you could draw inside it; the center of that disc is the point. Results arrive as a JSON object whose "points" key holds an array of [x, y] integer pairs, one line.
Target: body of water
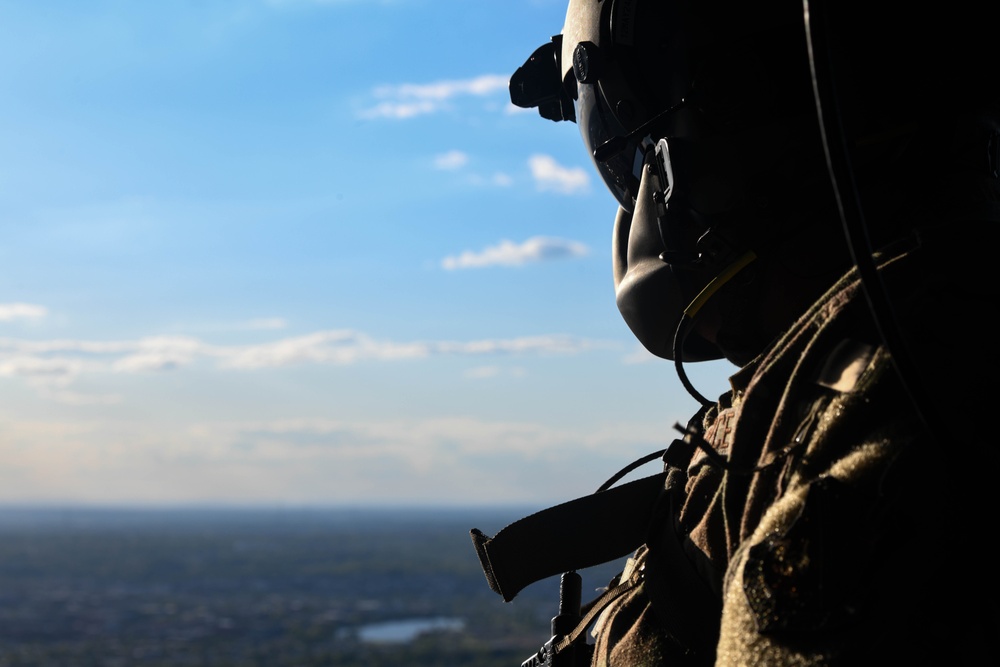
{"points": [[395, 632]]}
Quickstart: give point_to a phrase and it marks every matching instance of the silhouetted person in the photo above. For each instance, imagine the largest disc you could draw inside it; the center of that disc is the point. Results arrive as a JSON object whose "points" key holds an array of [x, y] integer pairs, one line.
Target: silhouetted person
{"points": [[814, 196]]}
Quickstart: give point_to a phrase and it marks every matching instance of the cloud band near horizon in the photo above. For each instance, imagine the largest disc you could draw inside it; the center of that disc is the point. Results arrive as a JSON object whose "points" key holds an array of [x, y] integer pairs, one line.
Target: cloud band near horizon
{"points": [[55, 364]]}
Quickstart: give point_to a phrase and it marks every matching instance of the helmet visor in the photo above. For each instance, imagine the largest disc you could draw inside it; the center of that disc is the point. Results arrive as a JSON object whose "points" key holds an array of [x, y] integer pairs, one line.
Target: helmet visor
{"points": [[621, 171]]}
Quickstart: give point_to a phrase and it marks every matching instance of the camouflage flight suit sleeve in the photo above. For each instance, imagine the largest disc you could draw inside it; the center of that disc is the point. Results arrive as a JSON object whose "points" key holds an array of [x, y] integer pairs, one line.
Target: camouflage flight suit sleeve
{"points": [[846, 534], [865, 544]]}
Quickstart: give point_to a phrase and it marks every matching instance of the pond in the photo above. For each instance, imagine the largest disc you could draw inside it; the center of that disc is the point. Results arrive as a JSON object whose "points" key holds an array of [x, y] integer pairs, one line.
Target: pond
{"points": [[406, 630]]}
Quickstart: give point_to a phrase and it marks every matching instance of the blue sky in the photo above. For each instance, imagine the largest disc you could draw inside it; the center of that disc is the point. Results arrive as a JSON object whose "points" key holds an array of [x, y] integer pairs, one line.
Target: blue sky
{"points": [[301, 252]]}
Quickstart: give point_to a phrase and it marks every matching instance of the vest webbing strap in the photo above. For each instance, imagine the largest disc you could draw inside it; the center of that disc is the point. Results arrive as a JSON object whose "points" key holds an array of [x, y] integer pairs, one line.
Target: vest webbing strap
{"points": [[577, 534]]}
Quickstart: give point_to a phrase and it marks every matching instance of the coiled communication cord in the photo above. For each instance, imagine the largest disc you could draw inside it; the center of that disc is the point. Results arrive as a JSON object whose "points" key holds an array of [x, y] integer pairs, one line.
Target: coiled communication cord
{"points": [[687, 320]]}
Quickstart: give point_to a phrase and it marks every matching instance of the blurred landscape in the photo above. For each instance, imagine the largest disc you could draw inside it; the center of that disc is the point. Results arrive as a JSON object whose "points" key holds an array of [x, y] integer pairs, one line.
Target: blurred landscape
{"points": [[114, 587]]}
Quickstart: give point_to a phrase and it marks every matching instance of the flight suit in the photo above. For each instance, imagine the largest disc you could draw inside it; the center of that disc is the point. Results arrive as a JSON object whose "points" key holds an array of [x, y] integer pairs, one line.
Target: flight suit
{"points": [[845, 526]]}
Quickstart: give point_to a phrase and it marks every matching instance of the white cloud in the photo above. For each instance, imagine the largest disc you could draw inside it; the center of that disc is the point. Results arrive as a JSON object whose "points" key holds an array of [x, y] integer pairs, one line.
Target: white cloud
{"points": [[511, 109], [443, 90], [640, 355], [42, 370], [322, 347], [550, 175], [158, 353], [400, 110], [347, 347], [51, 366], [21, 311], [411, 99], [451, 160], [534, 344], [508, 253]]}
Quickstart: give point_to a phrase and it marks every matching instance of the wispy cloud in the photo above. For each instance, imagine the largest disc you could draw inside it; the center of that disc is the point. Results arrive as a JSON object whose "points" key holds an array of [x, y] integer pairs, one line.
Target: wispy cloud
{"points": [[347, 347], [21, 311], [451, 160], [640, 355], [549, 175], [414, 99], [508, 253], [160, 353], [52, 366]]}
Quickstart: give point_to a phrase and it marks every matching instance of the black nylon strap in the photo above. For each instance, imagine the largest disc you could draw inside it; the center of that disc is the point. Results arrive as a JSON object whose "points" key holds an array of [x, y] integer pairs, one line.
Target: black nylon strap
{"points": [[577, 534]]}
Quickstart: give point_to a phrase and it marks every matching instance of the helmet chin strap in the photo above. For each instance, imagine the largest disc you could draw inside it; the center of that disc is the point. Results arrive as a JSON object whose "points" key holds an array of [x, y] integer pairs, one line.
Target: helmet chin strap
{"points": [[686, 322], [712, 252], [716, 283]]}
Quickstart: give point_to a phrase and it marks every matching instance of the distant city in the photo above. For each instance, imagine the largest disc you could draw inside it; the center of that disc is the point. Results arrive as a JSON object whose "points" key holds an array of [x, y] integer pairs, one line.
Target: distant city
{"points": [[274, 588]]}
